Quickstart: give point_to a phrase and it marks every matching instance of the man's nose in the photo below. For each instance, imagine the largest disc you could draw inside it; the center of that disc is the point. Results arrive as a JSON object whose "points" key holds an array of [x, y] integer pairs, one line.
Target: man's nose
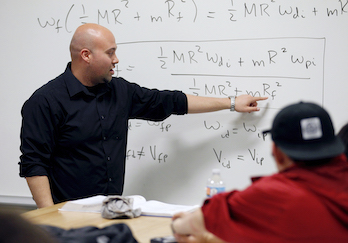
{"points": [[115, 60]]}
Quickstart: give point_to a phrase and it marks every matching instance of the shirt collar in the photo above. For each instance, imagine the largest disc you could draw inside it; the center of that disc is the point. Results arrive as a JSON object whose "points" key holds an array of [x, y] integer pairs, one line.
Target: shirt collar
{"points": [[74, 86]]}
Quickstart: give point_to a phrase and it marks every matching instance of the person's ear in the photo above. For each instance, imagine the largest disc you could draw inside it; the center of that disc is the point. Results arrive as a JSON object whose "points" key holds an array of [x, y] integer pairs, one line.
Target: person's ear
{"points": [[277, 154], [281, 159], [86, 55]]}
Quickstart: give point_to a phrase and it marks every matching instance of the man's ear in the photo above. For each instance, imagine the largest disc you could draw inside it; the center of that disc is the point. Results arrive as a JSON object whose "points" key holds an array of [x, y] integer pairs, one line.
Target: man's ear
{"points": [[277, 154], [281, 159], [85, 55]]}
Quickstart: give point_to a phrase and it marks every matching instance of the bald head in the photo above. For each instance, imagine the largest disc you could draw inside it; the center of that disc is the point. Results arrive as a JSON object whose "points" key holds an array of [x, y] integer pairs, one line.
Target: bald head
{"points": [[93, 54], [87, 36]]}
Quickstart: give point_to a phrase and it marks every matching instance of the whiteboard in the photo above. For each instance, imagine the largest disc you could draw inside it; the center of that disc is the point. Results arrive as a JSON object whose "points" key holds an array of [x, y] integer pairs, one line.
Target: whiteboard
{"points": [[285, 50]]}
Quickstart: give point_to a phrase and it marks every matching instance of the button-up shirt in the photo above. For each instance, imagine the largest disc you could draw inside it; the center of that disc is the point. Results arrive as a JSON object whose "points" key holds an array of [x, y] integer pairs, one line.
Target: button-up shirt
{"points": [[77, 136]]}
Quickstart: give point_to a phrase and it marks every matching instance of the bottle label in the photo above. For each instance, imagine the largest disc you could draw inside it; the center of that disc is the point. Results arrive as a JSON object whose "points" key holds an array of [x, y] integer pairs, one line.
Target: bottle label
{"points": [[212, 190]]}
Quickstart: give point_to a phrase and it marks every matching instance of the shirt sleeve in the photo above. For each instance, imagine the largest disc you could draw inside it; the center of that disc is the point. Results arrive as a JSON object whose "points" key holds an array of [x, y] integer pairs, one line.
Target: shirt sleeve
{"points": [[37, 137], [156, 105]]}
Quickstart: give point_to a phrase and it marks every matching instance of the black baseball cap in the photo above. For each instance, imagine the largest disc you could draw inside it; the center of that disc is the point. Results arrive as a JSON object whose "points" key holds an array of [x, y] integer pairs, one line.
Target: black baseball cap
{"points": [[304, 131]]}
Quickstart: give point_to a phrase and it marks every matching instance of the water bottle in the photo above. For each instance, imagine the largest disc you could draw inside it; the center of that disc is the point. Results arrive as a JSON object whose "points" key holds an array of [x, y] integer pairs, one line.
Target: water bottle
{"points": [[215, 184]]}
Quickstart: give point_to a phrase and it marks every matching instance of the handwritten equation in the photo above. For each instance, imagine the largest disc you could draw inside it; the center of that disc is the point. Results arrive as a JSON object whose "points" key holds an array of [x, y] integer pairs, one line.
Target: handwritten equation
{"points": [[147, 152], [226, 162], [251, 155], [130, 12], [159, 126], [155, 154], [270, 67]]}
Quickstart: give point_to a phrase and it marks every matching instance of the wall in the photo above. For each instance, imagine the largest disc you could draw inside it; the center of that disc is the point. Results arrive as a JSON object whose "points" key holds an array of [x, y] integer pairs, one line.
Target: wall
{"points": [[288, 51]]}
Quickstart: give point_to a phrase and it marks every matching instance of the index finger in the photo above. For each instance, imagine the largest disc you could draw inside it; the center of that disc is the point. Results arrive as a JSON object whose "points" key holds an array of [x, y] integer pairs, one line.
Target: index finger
{"points": [[259, 98]]}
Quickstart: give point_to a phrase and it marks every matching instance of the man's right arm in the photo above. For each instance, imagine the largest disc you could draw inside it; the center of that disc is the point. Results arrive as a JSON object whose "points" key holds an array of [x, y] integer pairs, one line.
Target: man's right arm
{"points": [[37, 144], [40, 189]]}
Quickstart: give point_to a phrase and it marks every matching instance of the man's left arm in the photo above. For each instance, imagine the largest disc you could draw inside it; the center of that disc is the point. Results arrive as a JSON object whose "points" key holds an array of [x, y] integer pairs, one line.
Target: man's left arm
{"points": [[242, 103]]}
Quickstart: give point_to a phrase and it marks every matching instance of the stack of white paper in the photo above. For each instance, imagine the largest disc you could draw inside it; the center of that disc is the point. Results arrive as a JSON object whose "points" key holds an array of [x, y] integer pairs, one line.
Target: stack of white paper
{"points": [[148, 208]]}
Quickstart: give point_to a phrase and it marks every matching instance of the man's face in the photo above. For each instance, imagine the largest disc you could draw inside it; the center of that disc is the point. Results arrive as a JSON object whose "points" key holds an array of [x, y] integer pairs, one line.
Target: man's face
{"points": [[104, 59]]}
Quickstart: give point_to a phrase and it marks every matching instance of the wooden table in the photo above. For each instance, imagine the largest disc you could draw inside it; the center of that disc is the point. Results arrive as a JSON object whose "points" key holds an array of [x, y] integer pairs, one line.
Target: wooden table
{"points": [[143, 228]]}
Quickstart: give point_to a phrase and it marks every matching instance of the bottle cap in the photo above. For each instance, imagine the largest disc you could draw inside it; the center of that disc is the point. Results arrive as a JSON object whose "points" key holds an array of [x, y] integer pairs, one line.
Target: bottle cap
{"points": [[216, 171]]}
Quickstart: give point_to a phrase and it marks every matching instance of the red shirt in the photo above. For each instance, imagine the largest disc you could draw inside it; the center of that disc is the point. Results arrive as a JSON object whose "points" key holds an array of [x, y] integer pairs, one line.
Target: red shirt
{"points": [[300, 204]]}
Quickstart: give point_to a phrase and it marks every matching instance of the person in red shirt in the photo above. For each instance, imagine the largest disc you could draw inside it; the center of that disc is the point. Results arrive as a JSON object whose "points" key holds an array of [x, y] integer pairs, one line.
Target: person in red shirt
{"points": [[307, 201]]}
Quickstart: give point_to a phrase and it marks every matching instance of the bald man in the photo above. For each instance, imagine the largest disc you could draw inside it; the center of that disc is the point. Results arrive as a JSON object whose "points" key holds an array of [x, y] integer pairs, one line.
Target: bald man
{"points": [[74, 128]]}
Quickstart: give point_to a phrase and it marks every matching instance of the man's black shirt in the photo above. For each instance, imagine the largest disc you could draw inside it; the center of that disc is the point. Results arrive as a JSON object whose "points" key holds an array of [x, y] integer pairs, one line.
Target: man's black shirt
{"points": [[77, 137]]}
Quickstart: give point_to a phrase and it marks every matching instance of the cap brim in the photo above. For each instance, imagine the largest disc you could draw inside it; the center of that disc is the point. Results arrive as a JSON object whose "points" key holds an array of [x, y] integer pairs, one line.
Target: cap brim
{"points": [[313, 151]]}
